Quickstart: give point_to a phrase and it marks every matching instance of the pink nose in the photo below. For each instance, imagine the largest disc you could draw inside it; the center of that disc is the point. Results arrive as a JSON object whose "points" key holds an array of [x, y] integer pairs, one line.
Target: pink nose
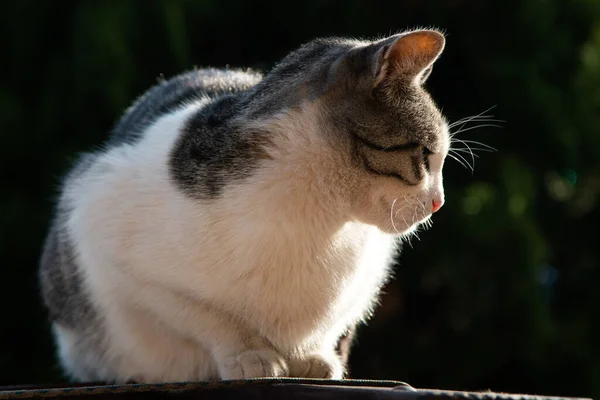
{"points": [[436, 205]]}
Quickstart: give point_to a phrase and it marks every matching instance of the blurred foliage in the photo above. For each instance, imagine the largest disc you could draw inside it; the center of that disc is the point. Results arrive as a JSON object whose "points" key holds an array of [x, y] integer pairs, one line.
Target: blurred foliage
{"points": [[501, 293]]}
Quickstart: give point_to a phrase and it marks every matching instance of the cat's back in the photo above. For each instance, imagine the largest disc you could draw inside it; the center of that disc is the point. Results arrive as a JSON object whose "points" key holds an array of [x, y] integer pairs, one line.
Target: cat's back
{"points": [[102, 182], [176, 92], [149, 128]]}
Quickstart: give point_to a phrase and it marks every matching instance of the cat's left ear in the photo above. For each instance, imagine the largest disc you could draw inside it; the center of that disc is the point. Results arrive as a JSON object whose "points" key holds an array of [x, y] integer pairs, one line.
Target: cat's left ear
{"points": [[411, 56]]}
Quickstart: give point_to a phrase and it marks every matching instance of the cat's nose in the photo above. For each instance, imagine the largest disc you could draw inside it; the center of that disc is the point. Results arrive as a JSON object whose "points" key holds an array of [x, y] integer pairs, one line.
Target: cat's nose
{"points": [[436, 204]]}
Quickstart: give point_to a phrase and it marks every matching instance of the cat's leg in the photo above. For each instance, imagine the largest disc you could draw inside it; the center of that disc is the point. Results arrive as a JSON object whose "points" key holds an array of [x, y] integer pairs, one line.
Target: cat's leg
{"points": [[344, 346], [237, 351], [255, 363], [324, 364], [80, 355], [329, 362]]}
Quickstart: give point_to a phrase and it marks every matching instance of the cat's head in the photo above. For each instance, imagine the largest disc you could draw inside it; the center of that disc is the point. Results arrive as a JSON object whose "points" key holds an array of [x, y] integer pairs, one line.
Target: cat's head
{"points": [[374, 110]]}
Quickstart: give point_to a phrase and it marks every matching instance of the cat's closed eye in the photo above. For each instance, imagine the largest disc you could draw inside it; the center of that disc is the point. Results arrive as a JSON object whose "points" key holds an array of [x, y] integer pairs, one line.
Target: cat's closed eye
{"points": [[426, 153]]}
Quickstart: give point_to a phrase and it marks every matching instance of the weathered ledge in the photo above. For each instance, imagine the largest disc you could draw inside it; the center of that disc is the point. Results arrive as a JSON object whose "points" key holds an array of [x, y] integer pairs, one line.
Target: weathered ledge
{"points": [[286, 388]]}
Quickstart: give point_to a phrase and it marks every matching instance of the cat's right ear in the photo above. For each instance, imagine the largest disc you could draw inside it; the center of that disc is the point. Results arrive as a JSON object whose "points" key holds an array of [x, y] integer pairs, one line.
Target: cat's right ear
{"points": [[410, 57]]}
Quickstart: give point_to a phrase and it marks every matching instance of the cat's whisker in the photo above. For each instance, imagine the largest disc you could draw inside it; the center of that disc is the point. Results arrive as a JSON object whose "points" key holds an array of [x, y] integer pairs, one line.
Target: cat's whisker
{"points": [[452, 134], [407, 236], [468, 119], [490, 148], [462, 161], [464, 150], [399, 210], [464, 121], [457, 160], [469, 147], [392, 216], [473, 148], [428, 219], [422, 206], [414, 215], [425, 224], [429, 223], [470, 151], [471, 166], [415, 232]]}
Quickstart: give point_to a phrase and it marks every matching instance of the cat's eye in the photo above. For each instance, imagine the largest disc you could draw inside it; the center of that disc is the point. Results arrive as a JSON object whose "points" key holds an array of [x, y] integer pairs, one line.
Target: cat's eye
{"points": [[426, 152]]}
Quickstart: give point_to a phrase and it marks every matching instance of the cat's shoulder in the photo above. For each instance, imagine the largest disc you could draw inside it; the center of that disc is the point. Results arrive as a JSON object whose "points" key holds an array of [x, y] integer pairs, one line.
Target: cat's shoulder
{"points": [[171, 94]]}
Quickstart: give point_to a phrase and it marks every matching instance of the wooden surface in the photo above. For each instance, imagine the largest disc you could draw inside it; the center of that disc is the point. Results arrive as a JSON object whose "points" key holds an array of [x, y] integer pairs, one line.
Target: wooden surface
{"points": [[288, 388]]}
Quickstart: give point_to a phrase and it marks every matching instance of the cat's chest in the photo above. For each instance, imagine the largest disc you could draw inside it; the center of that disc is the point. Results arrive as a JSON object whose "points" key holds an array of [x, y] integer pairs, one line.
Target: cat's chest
{"points": [[304, 290]]}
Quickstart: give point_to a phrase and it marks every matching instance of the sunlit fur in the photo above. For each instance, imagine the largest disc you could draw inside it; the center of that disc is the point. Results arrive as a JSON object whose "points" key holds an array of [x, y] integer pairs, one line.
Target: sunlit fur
{"points": [[260, 272]]}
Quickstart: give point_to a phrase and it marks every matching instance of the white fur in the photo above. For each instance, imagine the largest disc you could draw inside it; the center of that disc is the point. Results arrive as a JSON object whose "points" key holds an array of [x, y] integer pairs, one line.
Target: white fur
{"points": [[262, 281]]}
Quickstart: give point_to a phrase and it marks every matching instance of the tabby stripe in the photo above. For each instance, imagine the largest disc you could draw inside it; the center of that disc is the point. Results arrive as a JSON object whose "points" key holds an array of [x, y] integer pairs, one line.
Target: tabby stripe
{"points": [[394, 175], [375, 146], [416, 164]]}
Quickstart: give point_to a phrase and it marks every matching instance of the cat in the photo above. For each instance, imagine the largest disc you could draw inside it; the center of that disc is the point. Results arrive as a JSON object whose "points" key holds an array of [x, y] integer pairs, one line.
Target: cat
{"points": [[237, 226]]}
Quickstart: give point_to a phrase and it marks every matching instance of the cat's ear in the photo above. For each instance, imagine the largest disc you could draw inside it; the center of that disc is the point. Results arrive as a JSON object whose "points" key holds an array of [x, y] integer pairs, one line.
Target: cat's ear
{"points": [[411, 56]]}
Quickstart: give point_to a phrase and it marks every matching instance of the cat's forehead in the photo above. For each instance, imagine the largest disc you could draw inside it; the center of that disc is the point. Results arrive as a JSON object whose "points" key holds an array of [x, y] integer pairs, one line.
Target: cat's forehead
{"points": [[342, 73], [411, 117]]}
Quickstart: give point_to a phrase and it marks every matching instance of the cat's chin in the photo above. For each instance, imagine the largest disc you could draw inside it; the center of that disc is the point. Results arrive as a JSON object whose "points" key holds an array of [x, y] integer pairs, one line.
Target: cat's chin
{"points": [[398, 229], [413, 228], [399, 226]]}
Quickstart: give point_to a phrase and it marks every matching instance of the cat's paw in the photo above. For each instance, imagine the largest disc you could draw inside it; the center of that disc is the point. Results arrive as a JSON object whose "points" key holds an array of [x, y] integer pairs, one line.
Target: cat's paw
{"points": [[317, 365], [263, 363]]}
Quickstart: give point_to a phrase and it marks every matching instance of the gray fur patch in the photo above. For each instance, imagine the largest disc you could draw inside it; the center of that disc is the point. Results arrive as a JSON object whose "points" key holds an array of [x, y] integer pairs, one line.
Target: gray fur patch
{"points": [[399, 117], [62, 287], [213, 150], [302, 75], [60, 281], [176, 92]]}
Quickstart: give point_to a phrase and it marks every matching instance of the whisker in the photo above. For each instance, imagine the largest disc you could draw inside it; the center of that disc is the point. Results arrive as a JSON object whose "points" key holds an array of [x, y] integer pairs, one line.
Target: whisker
{"points": [[483, 118], [472, 145], [425, 212], [392, 216], [401, 208], [463, 150], [469, 119], [422, 206], [471, 152], [457, 160], [473, 148], [427, 224], [452, 134], [408, 237], [466, 163], [414, 215], [416, 234], [490, 148]]}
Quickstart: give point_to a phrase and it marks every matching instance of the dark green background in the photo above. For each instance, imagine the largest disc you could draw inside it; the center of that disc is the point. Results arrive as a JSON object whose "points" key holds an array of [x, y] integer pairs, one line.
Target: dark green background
{"points": [[501, 294]]}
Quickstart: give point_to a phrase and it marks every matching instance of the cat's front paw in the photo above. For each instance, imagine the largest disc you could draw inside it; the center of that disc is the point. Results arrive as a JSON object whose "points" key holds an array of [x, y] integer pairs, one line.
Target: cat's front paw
{"points": [[262, 363], [317, 366]]}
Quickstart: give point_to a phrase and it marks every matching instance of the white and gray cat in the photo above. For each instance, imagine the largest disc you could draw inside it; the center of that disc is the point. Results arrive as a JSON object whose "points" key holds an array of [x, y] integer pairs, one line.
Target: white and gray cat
{"points": [[237, 226]]}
